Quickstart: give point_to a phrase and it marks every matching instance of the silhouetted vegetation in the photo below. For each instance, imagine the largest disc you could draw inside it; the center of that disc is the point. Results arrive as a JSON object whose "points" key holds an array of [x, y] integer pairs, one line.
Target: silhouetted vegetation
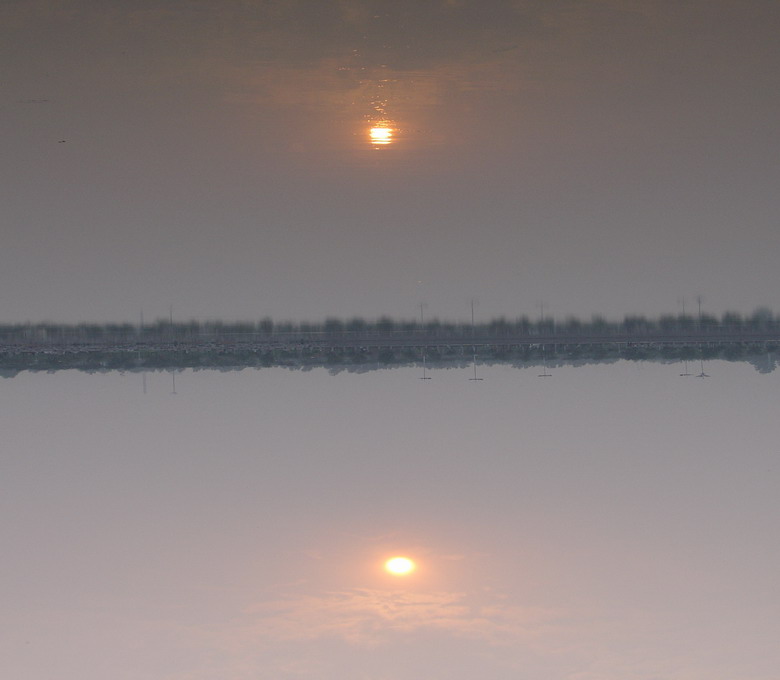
{"points": [[385, 342]]}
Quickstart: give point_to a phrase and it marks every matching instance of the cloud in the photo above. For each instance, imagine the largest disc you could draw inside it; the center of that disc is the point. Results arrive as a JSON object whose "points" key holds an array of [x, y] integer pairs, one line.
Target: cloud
{"points": [[370, 617]]}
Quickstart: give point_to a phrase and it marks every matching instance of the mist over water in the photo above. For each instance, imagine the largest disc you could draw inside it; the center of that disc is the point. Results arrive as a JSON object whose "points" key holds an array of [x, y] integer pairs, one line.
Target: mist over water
{"points": [[597, 156]]}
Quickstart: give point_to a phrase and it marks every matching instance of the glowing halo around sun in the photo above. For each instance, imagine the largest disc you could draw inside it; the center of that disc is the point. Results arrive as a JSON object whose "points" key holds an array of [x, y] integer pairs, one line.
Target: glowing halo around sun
{"points": [[400, 566]]}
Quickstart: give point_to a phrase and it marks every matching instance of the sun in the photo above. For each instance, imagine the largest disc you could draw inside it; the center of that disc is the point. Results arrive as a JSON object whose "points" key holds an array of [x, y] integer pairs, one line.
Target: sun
{"points": [[400, 566]]}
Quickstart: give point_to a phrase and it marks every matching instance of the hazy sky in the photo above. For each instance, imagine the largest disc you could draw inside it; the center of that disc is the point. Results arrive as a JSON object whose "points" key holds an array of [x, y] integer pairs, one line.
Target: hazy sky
{"points": [[610, 523], [602, 156]]}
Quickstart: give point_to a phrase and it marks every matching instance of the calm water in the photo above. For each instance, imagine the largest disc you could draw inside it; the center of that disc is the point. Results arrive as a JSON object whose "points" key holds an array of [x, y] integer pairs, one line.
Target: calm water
{"points": [[613, 522]]}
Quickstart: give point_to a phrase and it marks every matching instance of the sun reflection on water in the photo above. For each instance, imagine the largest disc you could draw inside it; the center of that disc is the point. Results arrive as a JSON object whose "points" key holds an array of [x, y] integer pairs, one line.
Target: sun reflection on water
{"points": [[381, 134]]}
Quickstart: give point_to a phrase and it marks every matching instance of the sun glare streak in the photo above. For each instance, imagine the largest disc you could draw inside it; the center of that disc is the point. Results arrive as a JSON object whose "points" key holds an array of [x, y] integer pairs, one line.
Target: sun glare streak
{"points": [[400, 566]]}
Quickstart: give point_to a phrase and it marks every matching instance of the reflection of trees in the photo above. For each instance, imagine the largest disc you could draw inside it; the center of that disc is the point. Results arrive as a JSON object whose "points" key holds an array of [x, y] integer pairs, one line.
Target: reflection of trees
{"points": [[337, 344], [731, 326]]}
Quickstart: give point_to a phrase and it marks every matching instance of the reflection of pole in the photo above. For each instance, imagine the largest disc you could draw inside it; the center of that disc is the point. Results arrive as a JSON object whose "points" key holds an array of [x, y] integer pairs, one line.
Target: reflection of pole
{"points": [[173, 381], [143, 378]]}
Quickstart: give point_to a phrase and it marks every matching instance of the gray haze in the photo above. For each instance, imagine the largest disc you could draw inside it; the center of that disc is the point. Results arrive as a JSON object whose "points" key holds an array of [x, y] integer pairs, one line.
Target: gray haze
{"points": [[215, 159], [607, 523], [601, 156]]}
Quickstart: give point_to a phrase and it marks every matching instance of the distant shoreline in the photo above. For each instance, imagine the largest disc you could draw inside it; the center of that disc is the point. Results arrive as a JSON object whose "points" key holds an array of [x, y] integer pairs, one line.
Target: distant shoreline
{"points": [[384, 344]]}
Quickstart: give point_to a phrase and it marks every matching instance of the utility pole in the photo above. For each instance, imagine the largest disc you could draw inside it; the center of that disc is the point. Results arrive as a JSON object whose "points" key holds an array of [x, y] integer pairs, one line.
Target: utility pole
{"points": [[473, 335], [424, 377], [475, 367]]}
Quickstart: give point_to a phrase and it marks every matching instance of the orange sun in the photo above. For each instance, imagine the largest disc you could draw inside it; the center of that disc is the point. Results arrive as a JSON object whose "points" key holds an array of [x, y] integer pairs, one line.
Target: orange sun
{"points": [[400, 566]]}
